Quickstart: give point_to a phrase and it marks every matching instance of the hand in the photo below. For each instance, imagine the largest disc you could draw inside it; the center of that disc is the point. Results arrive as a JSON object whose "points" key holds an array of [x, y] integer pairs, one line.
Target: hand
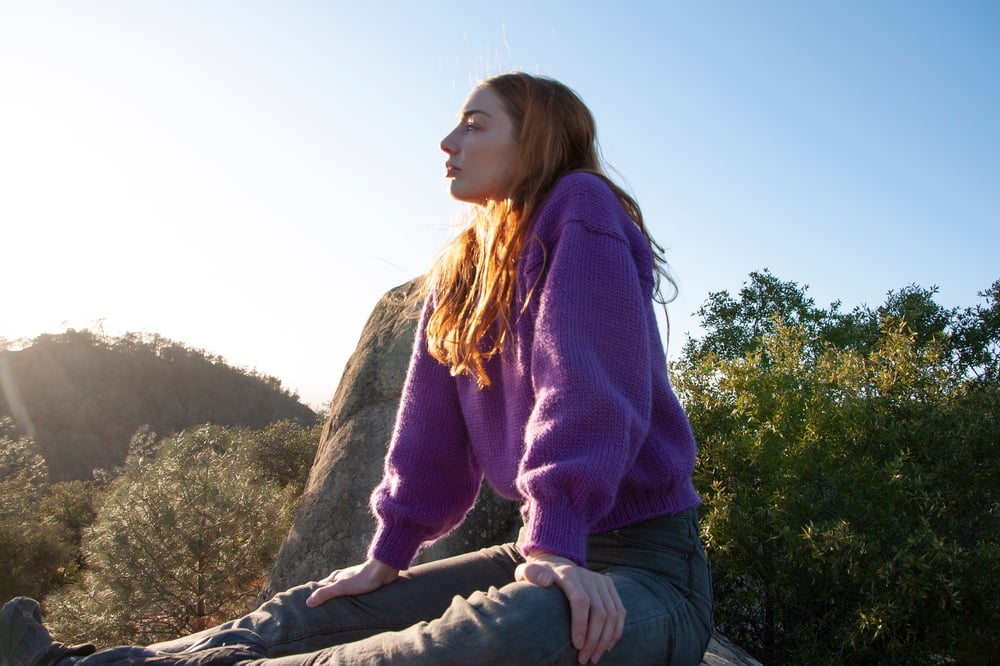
{"points": [[597, 613], [359, 579]]}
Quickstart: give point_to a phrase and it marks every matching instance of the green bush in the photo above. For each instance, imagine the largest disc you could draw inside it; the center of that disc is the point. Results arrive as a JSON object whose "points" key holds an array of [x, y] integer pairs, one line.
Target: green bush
{"points": [[851, 512]]}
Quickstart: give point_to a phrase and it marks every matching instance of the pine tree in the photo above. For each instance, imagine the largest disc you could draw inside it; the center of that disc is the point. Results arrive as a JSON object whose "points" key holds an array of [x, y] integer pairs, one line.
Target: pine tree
{"points": [[181, 542]]}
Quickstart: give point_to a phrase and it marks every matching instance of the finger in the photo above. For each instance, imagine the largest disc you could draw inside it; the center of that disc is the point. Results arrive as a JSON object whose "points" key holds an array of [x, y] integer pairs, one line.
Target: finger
{"points": [[611, 627], [621, 615], [321, 595], [579, 606], [340, 585], [596, 620], [614, 628], [538, 573], [568, 580]]}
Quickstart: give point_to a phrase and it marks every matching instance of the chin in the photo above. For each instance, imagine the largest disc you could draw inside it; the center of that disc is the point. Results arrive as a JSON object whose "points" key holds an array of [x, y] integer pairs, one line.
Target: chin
{"points": [[459, 194]]}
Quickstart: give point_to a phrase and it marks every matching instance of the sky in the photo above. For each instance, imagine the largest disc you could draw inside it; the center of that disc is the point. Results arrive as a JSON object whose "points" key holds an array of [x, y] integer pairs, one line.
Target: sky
{"points": [[248, 178]]}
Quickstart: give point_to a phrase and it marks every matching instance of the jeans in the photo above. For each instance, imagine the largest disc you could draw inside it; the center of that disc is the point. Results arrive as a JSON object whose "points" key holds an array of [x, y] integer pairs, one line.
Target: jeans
{"points": [[469, 610]]}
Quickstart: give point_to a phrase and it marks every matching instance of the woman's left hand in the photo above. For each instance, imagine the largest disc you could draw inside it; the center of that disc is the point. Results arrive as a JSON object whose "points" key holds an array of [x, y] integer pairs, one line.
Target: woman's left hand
{"points": [[597, 613]]}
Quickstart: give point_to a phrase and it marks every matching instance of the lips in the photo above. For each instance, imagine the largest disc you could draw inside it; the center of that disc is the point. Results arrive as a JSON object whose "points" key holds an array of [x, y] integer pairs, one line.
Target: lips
{"points": [[450, 170]]}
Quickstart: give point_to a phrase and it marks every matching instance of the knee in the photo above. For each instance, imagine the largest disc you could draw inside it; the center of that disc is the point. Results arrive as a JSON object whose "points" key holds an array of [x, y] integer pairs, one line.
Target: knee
{"points": [[529, 600], [519, 613]]}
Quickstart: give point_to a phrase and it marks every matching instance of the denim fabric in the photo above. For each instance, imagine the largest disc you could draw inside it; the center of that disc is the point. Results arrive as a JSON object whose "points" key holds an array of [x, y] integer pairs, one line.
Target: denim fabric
{"points": [[468, 609]]}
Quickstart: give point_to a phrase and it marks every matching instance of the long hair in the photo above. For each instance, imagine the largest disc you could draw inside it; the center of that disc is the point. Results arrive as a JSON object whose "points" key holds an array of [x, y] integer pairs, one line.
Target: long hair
{"points": [[474, 280]]}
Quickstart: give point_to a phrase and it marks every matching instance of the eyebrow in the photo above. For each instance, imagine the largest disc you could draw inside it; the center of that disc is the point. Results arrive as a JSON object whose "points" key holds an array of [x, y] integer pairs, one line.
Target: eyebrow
{"points": [[471, 112]]}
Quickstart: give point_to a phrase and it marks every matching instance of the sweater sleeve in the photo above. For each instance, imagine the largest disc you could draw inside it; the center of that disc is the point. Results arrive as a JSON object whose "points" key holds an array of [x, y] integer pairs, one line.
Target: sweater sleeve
{"points": [[591, 368], [431, 479]]}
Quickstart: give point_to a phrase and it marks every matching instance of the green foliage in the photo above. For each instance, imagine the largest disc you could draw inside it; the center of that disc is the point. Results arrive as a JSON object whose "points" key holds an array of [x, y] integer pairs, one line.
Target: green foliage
{"points": [[977, 342], [850, 481], [32, 555], [71, 505], [86, 395], [183, 537], [735, 326], [284, 452], [181, 542]]}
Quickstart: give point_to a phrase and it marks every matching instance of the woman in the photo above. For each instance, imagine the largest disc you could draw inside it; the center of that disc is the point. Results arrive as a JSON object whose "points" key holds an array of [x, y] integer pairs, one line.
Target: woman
{"points": [[537, 365]]}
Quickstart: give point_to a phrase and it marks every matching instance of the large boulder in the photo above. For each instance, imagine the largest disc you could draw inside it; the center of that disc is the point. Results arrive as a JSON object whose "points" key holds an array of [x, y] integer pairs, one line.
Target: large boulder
{"points": [[333, 525]]}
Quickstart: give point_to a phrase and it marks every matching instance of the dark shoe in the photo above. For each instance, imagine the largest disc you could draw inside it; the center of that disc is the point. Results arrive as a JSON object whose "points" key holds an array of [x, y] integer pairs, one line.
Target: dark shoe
{"points": [[24, 640]]}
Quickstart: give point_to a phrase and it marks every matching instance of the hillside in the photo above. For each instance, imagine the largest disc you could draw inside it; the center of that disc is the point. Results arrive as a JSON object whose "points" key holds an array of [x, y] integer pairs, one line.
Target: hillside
{"points": [[82, 395]]}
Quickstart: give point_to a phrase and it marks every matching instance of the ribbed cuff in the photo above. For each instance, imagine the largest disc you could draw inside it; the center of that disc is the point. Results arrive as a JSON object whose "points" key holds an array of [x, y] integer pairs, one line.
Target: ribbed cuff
{"points": [[556, 530], [394, 545]]}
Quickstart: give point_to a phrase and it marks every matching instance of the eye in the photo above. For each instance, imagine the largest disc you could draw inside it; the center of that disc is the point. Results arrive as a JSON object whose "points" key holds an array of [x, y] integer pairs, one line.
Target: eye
{"points": [[469, 126]]}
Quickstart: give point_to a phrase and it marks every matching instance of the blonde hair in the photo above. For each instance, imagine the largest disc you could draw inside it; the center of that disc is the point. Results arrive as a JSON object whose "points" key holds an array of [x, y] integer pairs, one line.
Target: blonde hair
{"points": [[474, 280]]}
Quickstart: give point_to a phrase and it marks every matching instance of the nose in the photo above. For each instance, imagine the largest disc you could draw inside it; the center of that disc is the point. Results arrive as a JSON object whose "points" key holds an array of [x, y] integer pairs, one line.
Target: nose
{"points": [[448, 143]]}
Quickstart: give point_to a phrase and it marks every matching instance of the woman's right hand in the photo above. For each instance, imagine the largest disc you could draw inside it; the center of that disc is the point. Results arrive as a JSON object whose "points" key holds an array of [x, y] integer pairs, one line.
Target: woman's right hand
{"points": [[359, 579]]}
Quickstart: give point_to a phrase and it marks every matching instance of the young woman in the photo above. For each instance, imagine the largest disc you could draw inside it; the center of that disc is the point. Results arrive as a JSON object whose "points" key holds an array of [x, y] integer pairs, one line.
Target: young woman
{"points": [[537, 366]]}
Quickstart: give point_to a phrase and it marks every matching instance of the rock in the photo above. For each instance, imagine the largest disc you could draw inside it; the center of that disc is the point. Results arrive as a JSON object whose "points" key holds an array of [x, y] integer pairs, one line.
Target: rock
{"points": [[333, 525], [722, 652]]}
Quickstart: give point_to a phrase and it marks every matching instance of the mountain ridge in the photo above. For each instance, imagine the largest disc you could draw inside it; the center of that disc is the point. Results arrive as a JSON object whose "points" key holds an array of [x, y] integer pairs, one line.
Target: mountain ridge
{"points": [[82, 395]]}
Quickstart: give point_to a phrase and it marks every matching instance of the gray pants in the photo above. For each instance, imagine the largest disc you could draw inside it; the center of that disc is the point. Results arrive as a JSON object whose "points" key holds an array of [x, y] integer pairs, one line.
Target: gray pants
{"points": [[469, 610]]}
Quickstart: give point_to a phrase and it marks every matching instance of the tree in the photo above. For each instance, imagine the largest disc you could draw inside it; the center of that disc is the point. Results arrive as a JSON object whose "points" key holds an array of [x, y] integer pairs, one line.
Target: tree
{"points": [[977, 338], [735, 326], [182, 542], [71, 506], [32, 554], [284, 452], [849, 483]]}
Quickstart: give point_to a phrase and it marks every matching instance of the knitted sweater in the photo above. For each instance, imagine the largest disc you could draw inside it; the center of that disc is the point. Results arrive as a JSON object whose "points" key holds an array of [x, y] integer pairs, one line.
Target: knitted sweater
{"points": [[580, 424]]}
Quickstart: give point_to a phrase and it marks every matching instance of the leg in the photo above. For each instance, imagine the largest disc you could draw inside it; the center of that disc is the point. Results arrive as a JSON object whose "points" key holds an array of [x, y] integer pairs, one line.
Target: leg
{"points": [[284, 625], [24, 640], [660, 573]]}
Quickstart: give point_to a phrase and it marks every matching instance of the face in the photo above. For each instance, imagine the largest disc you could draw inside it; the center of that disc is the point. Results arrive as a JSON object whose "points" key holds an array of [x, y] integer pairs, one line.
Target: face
{"points": [[482, 150]]}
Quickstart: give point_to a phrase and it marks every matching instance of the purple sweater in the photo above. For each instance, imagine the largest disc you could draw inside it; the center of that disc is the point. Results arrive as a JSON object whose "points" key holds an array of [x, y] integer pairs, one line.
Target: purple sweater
{"points": [[580, 425]]}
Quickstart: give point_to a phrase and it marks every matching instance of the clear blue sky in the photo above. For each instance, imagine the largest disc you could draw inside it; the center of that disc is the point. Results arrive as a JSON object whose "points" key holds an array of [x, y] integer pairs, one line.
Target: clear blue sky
{"points": [[249, 177]]}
